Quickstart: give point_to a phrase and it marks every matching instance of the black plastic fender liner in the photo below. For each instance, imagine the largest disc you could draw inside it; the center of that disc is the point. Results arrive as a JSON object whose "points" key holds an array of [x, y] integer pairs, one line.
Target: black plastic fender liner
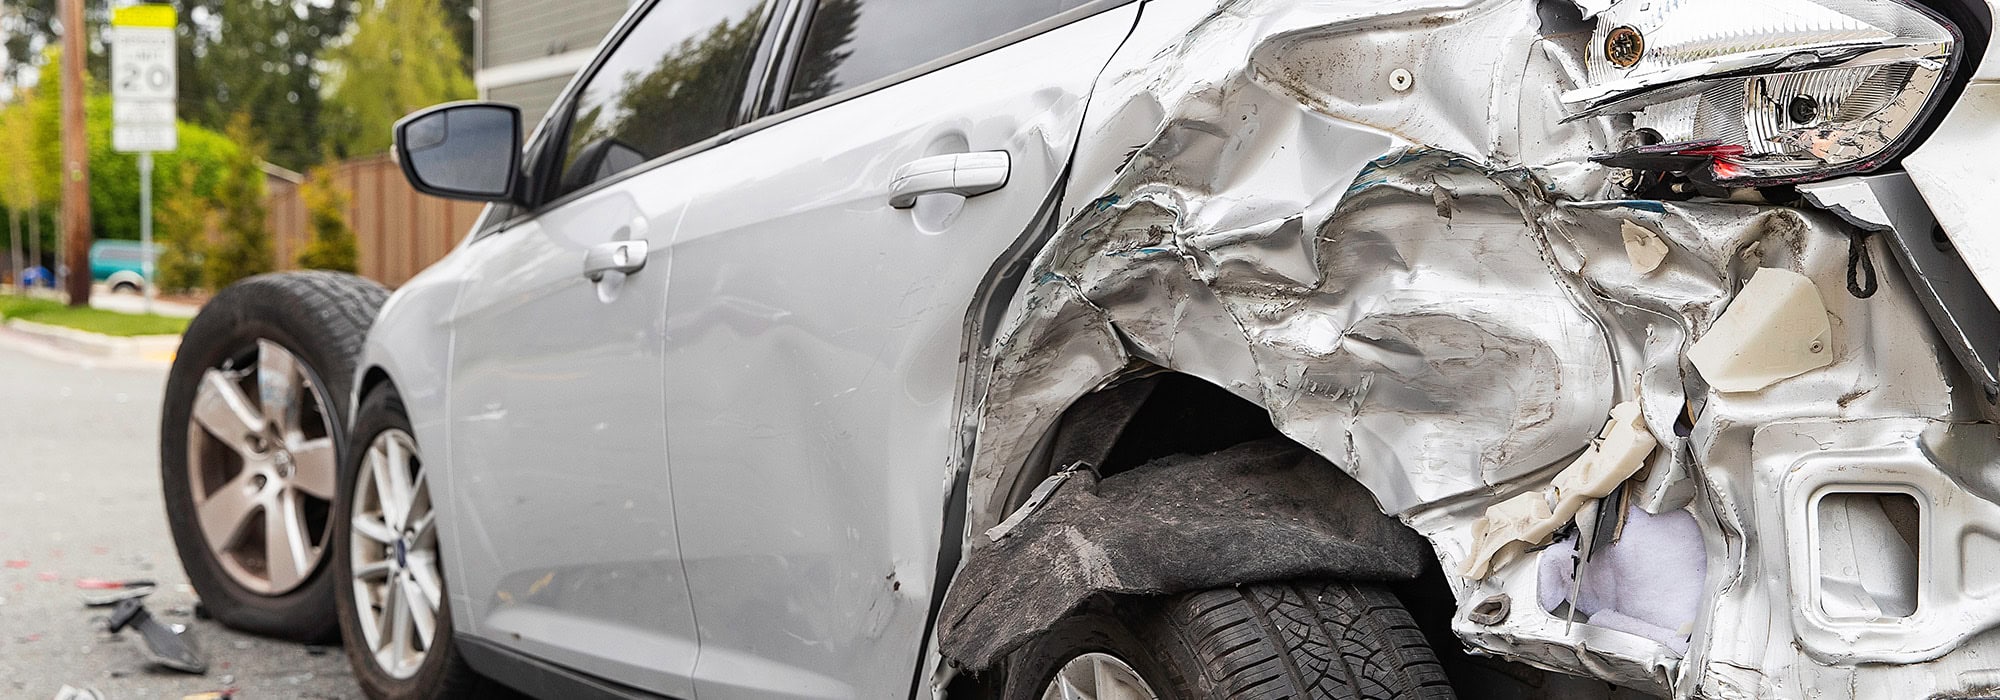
{"points": [[1260, 511]]}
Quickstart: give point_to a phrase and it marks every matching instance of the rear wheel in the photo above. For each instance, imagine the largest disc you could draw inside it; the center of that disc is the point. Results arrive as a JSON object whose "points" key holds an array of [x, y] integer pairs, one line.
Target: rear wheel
{"points": [[251, 435], [1301, 639]]}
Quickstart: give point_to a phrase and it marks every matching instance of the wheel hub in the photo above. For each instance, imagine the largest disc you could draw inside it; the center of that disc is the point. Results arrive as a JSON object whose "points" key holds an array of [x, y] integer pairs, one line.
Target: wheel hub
{"points": [[261, 462]]}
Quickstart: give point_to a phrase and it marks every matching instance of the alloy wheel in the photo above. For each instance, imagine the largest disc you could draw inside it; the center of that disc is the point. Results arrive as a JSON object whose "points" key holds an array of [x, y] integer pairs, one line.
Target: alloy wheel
{"points": [[1098, 676], [398, 589], [261, 468]]}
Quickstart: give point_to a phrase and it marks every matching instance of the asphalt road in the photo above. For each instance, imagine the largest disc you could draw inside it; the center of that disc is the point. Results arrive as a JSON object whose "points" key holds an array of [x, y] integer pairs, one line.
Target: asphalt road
{"points": [[80, 499]]}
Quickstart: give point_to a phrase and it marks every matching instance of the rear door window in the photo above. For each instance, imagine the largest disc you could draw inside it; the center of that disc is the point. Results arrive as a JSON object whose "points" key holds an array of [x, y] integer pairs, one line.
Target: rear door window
{"points": [[676, 78], [853, 42]]}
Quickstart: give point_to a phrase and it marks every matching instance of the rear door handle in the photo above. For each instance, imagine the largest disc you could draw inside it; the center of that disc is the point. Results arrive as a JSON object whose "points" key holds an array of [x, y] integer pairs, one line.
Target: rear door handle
{"points": [[617, 256], [966, 174]]}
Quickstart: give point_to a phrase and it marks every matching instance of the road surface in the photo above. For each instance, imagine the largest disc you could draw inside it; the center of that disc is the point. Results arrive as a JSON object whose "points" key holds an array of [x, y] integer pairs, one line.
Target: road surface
{"points": [[80, 498]]}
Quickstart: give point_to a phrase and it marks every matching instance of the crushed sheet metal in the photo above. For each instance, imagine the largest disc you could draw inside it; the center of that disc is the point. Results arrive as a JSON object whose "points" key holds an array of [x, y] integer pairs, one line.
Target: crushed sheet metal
{"points": [[1775, 330], [1619, 451], [1852, 199], [1432, 290]]}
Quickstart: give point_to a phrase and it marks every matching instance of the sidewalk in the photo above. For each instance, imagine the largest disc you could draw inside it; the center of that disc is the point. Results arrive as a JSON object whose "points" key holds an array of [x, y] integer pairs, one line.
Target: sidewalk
{"points": [[76, 347]]}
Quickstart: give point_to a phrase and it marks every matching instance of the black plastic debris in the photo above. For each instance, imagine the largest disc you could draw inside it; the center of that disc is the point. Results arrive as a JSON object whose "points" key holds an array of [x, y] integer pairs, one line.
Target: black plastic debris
{"points": [[164, 645]]}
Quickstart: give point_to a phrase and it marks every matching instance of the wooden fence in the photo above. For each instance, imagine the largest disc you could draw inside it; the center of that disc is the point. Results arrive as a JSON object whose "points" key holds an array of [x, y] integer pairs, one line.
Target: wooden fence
{"points": [[398, 231]]}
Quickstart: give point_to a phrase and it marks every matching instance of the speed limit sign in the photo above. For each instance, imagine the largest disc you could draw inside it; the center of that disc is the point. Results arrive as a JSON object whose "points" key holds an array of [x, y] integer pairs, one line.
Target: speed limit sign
{"points": [[142, 78]]}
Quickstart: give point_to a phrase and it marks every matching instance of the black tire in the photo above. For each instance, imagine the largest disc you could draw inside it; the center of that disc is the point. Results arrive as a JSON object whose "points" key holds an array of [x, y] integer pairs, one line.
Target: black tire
{"points": [[319, 317], [443, 673], [1301, 640], [125, 287]]}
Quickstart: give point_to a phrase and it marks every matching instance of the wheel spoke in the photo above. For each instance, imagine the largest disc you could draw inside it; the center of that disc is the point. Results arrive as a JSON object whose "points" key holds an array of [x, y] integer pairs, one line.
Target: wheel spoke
{"points": [[372, 571], [287, 547], [401, 621], [373, 529], [1067, 690], [398, 473], [385, 622], [423, 617], [425, 528], [278, 386], [314, 468], [423, 566], [227, 510], [385, 488], [1112, 684], [221, 408]]}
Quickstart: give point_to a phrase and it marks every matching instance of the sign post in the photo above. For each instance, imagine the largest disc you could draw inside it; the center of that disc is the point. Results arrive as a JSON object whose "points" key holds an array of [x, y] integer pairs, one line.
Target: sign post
{"points": [[142, 104]]}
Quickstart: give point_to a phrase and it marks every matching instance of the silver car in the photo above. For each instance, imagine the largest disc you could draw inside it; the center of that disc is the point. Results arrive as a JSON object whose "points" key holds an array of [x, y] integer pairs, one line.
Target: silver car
{"points": [[1154, 349]]}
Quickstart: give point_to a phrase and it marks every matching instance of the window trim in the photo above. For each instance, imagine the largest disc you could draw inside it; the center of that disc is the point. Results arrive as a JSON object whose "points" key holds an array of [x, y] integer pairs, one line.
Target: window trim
{"points": [[545, 181], [795, 43], [777, 54]]}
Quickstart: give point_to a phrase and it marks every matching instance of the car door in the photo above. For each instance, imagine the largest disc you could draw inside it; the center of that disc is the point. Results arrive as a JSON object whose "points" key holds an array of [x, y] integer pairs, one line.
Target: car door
{"points": [[558, 432], [814, 337]]}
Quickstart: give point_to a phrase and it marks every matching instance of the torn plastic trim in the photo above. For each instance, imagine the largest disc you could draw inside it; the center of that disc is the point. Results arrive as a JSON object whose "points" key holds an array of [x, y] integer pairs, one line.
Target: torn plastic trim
{"points": [[1261, 511], [1619, 451]]}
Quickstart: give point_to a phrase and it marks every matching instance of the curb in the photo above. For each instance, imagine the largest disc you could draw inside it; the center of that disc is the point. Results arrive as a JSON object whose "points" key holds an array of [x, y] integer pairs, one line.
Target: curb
{"points": [[143, 349]]}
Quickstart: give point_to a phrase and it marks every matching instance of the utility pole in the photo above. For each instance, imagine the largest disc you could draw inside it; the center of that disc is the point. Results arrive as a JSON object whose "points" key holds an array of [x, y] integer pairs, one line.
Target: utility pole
{"points": [[76, 157]]}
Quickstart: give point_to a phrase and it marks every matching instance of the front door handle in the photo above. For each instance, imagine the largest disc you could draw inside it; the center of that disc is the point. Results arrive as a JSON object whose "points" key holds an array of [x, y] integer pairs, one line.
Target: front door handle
{"points": [[617, 256], [966, 174]]}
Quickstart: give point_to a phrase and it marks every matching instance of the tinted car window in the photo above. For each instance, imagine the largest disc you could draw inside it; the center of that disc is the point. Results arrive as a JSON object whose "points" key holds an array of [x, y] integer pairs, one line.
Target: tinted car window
{"points": [[851, 42], [676, 78]]}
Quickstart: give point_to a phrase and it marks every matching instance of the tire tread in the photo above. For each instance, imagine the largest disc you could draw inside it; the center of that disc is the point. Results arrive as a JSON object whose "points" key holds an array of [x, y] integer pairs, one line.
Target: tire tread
{"points": [[1306, 639]]}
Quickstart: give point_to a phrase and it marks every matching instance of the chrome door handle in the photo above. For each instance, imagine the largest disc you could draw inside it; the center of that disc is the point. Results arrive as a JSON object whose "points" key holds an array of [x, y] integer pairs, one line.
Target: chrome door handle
{"points": [[617, 256], [967, 174]]}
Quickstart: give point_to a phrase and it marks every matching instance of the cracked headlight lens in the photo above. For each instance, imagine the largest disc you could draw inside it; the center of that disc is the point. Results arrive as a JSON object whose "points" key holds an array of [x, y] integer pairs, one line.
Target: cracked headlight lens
{"points": [[1768, 91]]}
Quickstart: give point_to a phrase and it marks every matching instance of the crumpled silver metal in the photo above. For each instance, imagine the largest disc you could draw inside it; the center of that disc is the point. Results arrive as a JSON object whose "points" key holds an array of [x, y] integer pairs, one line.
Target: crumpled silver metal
{"points": [[1431, 289]]}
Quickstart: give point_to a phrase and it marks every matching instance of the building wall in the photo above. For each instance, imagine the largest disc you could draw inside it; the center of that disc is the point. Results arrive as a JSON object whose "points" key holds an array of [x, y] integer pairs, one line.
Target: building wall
{"points": [[534, 98], [528, 49]]}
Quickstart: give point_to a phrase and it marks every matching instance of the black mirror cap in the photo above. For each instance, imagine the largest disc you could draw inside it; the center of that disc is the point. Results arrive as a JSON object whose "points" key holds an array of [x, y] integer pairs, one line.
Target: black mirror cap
{"points": [[463, 150]]}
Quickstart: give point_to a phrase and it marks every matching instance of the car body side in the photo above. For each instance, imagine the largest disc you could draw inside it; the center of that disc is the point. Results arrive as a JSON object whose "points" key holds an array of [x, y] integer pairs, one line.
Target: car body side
{"points": [[1430, 288]]}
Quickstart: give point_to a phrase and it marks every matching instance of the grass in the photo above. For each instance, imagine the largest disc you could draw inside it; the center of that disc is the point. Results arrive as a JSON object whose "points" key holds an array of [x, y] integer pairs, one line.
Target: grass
{"points": [[56, 313]]}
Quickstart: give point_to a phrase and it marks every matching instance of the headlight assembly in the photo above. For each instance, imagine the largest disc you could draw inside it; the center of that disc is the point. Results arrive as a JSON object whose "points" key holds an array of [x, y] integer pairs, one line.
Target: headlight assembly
{"points": [[1752, 92]]}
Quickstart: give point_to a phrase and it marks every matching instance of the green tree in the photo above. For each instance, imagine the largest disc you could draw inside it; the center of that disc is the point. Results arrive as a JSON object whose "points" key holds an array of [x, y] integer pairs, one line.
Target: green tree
{"points": [[245, 247], [402, 57], [259, 57], [19, 193], [28, 27], [182, 226], [114, 181], [332, 246]]}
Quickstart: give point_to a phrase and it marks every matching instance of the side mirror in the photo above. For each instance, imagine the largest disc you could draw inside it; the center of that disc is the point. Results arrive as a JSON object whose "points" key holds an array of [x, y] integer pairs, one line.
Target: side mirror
{"points": [[463, 150]]}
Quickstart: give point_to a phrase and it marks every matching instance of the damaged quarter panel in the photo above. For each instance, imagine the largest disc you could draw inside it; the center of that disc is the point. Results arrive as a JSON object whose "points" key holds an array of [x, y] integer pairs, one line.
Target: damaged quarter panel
{"points": [[1373, 220]]}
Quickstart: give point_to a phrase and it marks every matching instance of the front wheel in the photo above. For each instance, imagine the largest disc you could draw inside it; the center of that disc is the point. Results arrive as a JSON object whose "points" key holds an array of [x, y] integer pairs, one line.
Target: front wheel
{"points": [[1299, 639], [395, 619]]}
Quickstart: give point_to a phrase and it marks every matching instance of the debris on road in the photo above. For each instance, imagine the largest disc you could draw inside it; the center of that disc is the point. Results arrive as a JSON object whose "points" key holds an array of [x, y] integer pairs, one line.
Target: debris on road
{"points": [[71, 693], [165, 646], [108, 593]]}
